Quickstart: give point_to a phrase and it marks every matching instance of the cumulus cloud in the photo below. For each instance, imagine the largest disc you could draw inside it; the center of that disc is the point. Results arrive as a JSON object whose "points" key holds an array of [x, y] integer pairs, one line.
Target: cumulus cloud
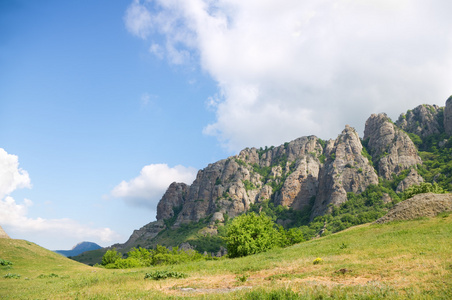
{"points": [[14, 216], [147, 188], [11, 176], [292, 68]]}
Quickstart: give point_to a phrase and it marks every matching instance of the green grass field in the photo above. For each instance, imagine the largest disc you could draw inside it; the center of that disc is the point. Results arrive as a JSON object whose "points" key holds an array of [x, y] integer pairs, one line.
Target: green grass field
{"points": [[403, 260]]}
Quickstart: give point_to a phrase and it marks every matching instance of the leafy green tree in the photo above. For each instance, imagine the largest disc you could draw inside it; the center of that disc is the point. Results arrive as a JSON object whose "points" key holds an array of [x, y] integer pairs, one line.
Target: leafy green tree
{"points": [[251, 234], [110, 257]]}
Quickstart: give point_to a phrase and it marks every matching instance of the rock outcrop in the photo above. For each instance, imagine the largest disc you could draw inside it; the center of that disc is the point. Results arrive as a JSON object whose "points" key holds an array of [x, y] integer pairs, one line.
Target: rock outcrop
{"points": [[392, 150], [448, 116], [413, 178], [172, 200], [143, 235], [288, 174], [3, 234], [421, 205], [346, 170], [423, 121]]}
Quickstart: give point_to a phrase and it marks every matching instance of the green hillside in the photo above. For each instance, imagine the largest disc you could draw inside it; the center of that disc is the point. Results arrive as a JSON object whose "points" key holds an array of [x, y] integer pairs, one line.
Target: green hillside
{"points": [[411, 260]]}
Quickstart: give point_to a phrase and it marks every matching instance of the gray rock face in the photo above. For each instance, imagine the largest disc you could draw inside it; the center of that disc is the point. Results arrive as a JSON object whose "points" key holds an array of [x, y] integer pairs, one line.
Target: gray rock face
{"points": [[346, 170], [173, 198], [413, 178], [448, 116], [391, 148], [288, 174], [301, 185], [142, 235], [424, 120]]}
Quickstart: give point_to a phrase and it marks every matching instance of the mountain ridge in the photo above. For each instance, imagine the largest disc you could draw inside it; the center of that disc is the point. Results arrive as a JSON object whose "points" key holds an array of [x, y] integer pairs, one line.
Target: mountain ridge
{"points": [[307, 174], [79, 249]]}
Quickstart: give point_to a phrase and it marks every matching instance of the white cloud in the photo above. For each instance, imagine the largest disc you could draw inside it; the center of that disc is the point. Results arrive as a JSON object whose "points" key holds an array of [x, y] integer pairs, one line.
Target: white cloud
{"points": [[14, 216], [292, 68], [138, 20], [11, 176], [147, 188]]}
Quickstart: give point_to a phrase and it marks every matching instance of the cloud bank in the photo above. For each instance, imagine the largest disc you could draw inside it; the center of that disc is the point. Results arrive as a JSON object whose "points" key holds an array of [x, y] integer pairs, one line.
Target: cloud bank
{"points": [[147, 189], [293, 68], [14, 216]]}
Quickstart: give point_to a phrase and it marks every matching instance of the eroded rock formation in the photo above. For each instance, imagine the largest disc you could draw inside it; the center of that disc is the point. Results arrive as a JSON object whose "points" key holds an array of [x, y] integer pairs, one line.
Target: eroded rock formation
{"points": [[305, 173], [391, 148], [346, 170]]}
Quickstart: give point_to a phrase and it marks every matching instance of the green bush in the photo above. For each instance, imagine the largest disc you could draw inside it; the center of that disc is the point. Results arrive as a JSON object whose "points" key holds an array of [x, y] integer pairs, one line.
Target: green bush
{"points": [[251, 234], [110, 257], [12, 276], [4, 262], [157, 275], [422, 188], [142, 257]]}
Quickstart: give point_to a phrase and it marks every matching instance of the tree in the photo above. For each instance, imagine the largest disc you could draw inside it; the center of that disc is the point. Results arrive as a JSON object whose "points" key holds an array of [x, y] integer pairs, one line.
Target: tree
{"points": [[251, 234], [110, 257]]}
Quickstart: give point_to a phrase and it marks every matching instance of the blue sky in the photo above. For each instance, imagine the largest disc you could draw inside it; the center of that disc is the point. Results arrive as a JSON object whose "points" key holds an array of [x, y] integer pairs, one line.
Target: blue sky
{"points": [[104, 103]]}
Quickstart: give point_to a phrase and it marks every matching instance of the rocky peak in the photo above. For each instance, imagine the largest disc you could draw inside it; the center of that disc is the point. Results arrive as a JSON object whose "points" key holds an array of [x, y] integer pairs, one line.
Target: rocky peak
{"points": [[424, 120], [346, 170], [448, 116], [173, 199], [391, 149]]}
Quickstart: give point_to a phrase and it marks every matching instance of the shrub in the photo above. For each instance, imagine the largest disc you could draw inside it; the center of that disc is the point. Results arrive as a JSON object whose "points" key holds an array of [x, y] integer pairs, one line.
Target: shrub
{"points": [[142, 257], [110, 257], [4, 262], [157, 275], [424, 187], [12, 276], [127, 263], [51, 275], [242, 278], [251, 234], [291, 236]]}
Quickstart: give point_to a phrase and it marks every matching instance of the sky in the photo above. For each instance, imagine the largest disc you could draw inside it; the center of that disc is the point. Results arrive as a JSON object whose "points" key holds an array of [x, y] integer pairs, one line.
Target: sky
{"points": [[104, 103]]}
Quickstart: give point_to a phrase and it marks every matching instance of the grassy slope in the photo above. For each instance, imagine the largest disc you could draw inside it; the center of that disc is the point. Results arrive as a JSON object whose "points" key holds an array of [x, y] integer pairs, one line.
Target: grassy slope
{"points": [[400, 260]]}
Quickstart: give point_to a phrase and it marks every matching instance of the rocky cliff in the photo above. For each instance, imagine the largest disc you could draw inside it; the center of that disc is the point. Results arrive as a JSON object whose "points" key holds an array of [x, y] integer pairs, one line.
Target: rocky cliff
{"points": [[448, 116], [423, 121], [391, 148], [304, 174], [346, 170]]}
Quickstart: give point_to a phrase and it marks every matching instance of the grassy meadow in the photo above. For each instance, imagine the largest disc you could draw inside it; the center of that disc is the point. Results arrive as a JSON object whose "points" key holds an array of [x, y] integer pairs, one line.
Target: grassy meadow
{"points": [[400, 260]]}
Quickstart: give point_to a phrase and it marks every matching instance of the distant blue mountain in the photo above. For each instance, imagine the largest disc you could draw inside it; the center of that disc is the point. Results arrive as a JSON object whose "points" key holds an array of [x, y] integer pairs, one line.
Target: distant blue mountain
{"points": [[79, 249]]}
